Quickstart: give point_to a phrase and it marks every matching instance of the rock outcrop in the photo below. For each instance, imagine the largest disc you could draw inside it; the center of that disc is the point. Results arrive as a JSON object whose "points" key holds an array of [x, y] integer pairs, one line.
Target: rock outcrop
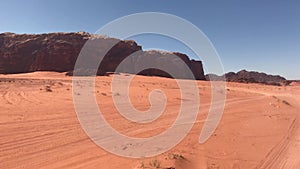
{"points": [[214, 77], [293, 82], [22, 53], [245, 76], [164, 64], [254, 77]]}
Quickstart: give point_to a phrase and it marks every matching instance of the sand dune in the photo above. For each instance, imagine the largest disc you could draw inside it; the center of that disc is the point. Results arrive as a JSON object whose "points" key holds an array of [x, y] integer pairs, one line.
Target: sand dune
{"points": [[39, 127]]}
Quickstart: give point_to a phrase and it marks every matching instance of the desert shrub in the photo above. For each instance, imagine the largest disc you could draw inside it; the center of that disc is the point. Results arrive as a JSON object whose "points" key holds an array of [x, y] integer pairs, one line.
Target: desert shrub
{"points": [[155, 164], [177, 157]]}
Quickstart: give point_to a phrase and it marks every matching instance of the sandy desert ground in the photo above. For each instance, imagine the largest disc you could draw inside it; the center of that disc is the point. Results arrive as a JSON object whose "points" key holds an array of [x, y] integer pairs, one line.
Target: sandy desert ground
{"points": [[39, 127]]}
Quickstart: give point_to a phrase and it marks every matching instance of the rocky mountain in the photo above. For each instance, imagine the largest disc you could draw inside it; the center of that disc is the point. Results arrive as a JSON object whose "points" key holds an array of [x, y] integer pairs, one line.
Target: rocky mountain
{"points": [[245, 76], [22, 53], [254, 77]]}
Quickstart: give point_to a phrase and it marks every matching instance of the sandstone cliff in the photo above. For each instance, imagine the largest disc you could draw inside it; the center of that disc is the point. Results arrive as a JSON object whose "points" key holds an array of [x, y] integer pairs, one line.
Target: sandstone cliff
{"points": [[21, 53]]}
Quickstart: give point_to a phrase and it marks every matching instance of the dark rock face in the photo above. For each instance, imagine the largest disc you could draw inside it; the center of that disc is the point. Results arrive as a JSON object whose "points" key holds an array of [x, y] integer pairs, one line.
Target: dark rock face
{"points": [[45, 52], [21, 53], [255, 77], [168, 64]]}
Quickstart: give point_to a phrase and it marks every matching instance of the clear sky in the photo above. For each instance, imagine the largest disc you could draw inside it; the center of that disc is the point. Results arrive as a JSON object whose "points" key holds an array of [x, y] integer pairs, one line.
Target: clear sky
{"points": [[261, 35]]}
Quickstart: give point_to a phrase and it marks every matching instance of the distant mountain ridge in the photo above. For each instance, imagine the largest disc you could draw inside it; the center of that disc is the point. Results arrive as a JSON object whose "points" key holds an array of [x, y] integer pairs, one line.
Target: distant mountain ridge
{"points": [[245, 76]]}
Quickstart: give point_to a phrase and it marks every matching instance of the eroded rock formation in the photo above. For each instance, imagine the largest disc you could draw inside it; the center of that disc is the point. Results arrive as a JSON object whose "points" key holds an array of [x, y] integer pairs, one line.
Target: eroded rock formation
{"points": [[22, 53]]}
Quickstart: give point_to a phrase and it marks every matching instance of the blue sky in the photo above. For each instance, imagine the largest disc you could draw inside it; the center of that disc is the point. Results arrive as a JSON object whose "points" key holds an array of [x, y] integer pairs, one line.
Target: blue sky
{"points": [[261, 35]]}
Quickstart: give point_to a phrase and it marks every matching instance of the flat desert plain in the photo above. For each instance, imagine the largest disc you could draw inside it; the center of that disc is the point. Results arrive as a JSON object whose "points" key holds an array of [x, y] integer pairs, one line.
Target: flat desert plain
{"points": [[40, 129]]}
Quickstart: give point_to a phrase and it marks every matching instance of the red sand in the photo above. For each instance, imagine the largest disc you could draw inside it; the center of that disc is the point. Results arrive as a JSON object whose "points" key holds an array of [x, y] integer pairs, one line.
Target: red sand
{"points": [[39, 129]]}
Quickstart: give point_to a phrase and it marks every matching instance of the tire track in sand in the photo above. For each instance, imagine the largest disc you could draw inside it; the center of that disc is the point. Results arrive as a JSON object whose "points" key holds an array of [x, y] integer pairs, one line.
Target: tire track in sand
{"points": [[286, 154]]}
